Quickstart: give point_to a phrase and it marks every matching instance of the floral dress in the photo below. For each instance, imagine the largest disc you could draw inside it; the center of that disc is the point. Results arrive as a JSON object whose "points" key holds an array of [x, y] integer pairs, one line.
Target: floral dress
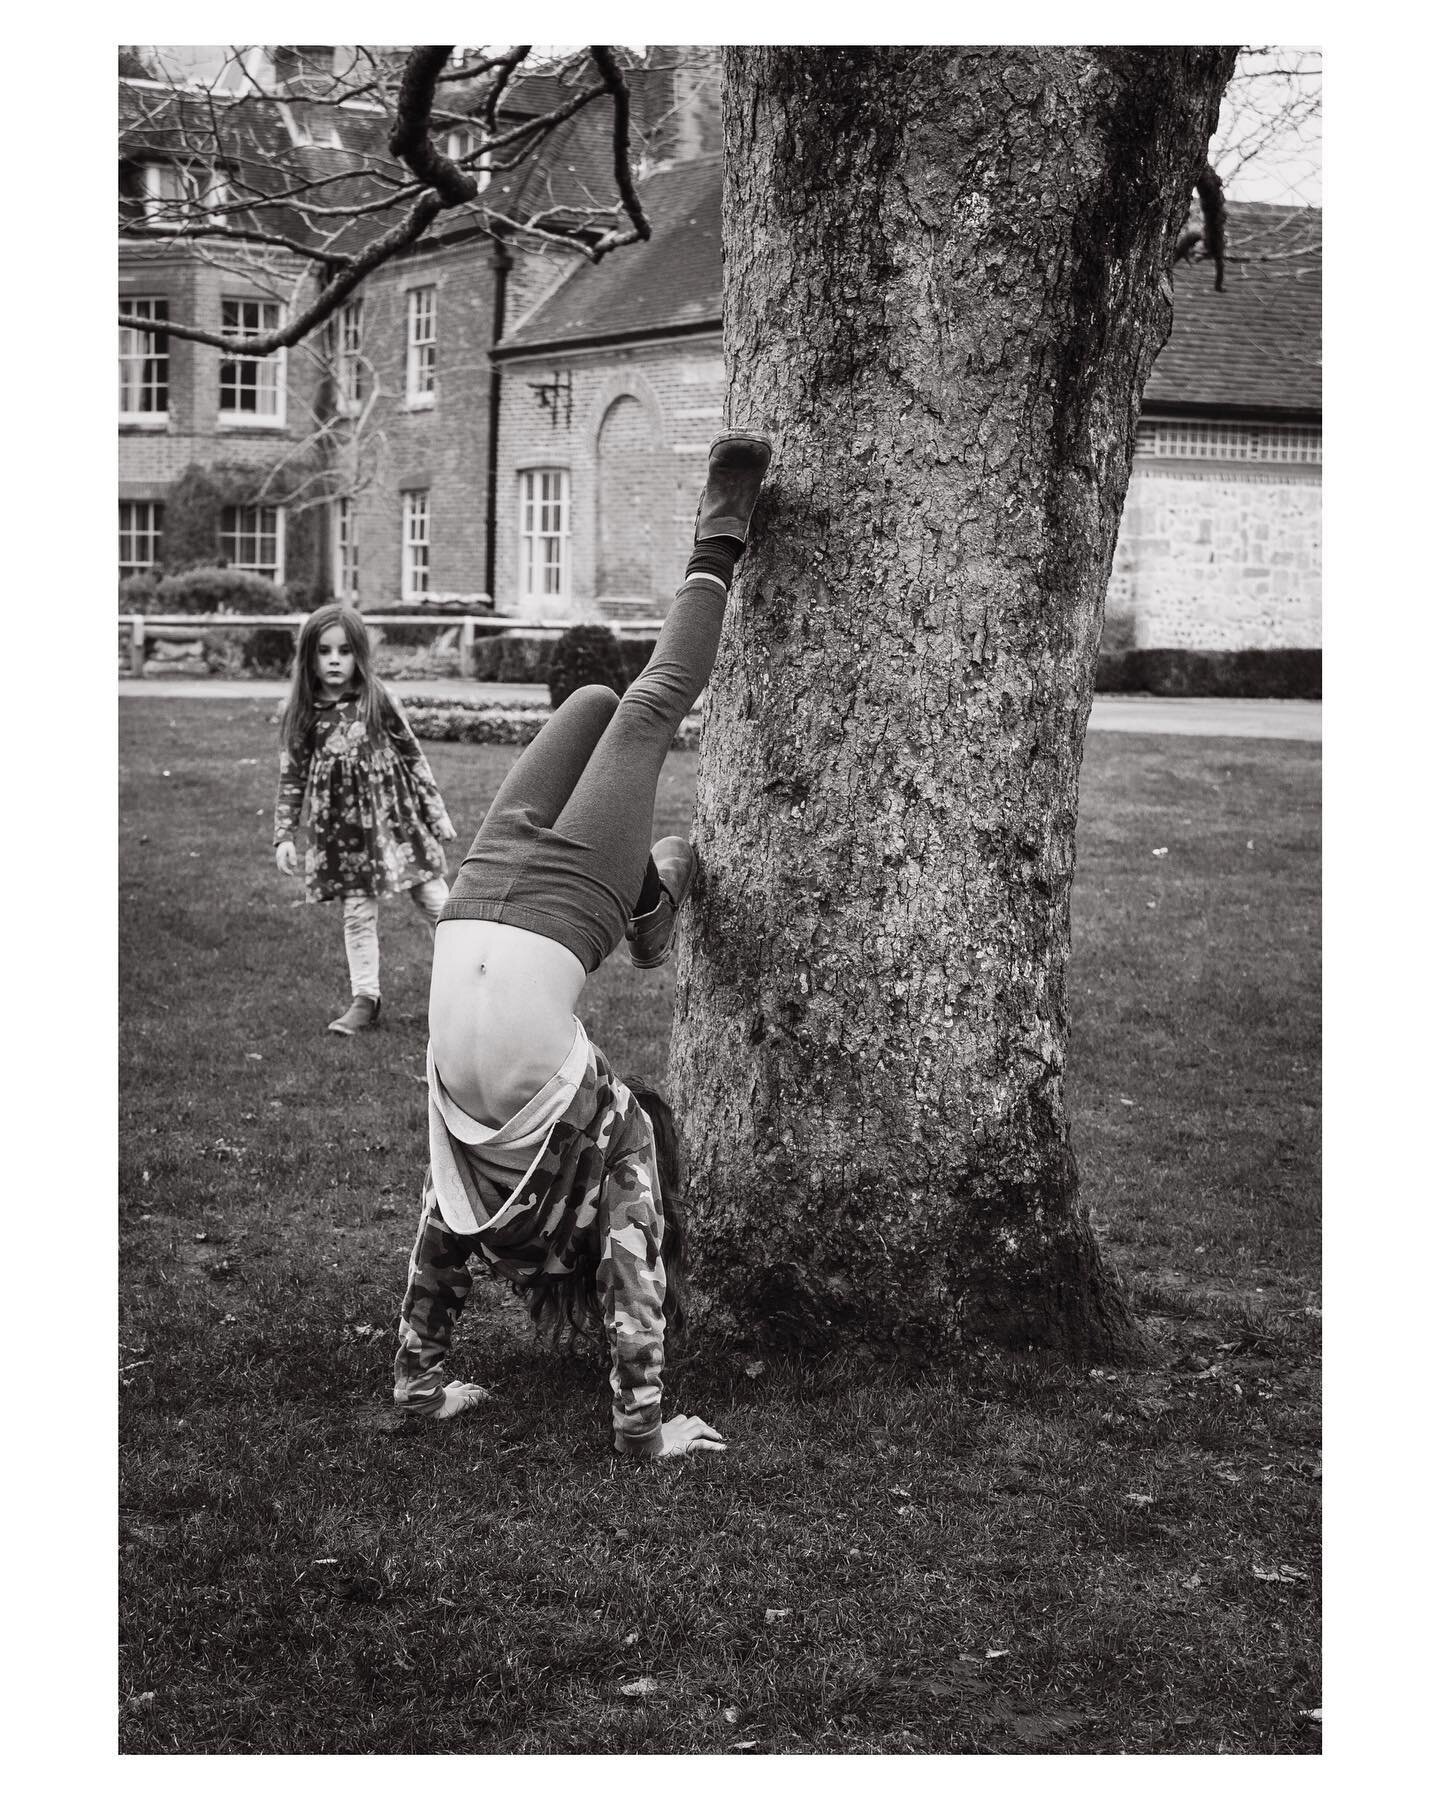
{"points": [[374, 809]]}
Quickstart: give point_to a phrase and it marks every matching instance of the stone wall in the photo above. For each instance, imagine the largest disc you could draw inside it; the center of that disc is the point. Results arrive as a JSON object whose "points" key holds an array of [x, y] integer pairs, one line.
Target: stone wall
{"points": [[1217, 557]]}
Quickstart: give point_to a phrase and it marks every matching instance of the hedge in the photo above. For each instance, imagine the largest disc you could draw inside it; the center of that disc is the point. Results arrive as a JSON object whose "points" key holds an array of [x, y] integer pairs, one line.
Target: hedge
{"points": [[476, 721], [1211, 673]]}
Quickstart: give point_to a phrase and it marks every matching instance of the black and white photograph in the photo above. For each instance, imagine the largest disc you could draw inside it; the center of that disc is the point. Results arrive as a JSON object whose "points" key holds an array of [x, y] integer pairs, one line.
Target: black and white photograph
{"points": [[718, 745]]}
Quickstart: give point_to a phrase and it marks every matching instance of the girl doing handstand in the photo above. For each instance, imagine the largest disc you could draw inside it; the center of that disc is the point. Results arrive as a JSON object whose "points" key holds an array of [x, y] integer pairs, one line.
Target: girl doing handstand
{"points": [[543, 1163]]}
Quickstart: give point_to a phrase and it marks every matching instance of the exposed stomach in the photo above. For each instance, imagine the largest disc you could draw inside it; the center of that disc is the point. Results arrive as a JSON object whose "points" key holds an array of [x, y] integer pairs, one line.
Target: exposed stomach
{"points": [[502, 1013]]}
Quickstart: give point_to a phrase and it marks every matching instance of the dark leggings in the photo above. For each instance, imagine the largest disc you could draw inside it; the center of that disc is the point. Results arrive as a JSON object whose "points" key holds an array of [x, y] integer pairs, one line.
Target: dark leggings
{"points": [[565, 845]]}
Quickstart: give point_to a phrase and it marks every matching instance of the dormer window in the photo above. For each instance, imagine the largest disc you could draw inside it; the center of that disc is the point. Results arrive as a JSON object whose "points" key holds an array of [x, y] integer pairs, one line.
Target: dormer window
{"points": [[172, 195], [459, 144]]}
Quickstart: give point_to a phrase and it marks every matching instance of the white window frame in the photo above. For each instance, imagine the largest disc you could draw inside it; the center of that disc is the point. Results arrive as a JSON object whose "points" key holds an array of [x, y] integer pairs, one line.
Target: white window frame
{"points": [[544, 520], [344, 550], [255, 528], [170, 193], [139, 350], [133, 533], [268, 383], [422, 337], [414, 544], [350, 357]]}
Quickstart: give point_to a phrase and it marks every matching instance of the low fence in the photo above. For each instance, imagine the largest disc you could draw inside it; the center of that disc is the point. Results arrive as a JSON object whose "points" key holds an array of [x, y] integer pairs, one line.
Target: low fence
{"points": [[143, 625]]}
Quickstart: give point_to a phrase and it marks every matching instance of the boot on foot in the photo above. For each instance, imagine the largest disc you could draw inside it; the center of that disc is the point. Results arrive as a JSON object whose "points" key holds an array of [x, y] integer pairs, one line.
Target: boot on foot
{"points": [[363, 1014], [650, 934], [738, 461]]}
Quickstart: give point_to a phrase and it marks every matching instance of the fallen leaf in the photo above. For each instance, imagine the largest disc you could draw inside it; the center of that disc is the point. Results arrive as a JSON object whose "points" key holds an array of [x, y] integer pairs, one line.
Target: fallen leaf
{"points": [[639, 1688], [1311, 1716], [777, 1616], [899, 1491], [251, 1055], [1285, 1574], [1191, 1583], [1139, 1498], [754, 1369], [1127, 1102], [995, 1654], [630, 1640], [740, 1747], [1159, 852], [731, 1713]]}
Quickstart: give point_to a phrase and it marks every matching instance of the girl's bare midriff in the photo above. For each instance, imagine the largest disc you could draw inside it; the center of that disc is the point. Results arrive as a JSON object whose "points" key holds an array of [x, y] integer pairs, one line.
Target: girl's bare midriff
{"points": [[502, 1013]]}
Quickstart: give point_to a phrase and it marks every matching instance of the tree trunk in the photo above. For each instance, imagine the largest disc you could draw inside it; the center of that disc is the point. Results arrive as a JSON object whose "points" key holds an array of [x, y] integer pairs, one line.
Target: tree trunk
{"points": [[946, 281]]}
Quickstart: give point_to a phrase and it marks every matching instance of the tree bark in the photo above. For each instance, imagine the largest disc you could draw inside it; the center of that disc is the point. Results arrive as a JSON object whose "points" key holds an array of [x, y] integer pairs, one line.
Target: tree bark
{"points": [[946, 281]]}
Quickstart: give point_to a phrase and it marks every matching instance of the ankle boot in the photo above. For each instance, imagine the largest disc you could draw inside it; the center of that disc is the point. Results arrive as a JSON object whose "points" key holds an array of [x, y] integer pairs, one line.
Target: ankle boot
{"points": [[650, 934], [364, 1012], [738, 461]]}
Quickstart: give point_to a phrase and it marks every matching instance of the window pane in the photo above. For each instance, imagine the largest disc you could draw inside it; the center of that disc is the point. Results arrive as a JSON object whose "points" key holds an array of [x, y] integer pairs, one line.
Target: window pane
{"points": [[251, 388], [544, 532]]}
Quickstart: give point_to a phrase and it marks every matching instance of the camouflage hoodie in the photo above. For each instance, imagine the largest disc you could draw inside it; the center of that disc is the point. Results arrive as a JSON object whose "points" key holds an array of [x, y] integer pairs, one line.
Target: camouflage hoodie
{"points": [[592, 1194]]}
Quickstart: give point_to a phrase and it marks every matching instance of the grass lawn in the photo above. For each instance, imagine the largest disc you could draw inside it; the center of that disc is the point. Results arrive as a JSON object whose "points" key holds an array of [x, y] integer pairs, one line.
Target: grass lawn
{"points": [[1003, 1557]]}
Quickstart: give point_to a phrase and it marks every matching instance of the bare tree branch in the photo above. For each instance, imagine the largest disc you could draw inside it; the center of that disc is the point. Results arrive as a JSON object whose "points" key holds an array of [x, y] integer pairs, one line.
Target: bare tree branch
{"points": [[314, 211]]}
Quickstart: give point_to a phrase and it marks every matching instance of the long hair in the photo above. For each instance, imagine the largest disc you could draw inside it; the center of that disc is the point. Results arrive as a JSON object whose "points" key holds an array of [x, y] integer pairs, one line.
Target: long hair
{"points": [[376, 712], [571, 1302]]}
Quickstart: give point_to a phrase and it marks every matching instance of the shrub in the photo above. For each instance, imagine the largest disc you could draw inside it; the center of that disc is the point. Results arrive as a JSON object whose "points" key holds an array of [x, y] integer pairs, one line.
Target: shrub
{"points": [[138, 593], [586, 655], [635, 652], [523, 657], [220, 590], [265, 653], [403, 636], [224, 652]]}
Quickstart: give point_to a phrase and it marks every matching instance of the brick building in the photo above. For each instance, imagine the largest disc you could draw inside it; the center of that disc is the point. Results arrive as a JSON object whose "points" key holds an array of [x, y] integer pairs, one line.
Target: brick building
{"points": [[487, 419], [1219, 544], [612, 388], [359, 464]]}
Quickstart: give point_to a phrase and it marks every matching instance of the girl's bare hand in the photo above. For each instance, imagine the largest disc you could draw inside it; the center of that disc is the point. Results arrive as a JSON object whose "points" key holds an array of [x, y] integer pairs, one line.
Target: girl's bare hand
{"points": [[446, 831], [285, 857], [688, 1435]]}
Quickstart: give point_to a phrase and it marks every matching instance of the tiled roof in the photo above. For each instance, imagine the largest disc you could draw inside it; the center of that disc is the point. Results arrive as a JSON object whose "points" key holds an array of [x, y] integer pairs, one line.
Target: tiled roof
{"points": [[572, 171], [670, 283], [1256, 346]]}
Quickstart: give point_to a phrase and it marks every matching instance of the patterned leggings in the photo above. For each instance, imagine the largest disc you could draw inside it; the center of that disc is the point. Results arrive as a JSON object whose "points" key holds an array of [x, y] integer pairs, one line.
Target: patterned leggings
{"points": [[362, 932]]}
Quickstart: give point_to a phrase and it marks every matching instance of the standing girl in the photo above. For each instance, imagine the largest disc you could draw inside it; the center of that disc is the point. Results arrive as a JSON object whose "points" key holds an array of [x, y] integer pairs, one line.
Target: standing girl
{"points": [[376, 816]]}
